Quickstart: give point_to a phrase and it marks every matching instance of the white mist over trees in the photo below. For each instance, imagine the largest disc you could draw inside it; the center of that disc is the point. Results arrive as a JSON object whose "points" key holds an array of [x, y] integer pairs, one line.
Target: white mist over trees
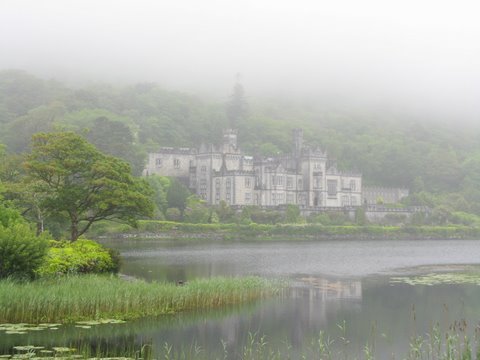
{"points": [[418, 56]]}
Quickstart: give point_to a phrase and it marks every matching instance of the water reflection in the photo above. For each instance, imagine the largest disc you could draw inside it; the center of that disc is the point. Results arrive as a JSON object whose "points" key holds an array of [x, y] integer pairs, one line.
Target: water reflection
{"points": [[370, 306], [332, 289]]}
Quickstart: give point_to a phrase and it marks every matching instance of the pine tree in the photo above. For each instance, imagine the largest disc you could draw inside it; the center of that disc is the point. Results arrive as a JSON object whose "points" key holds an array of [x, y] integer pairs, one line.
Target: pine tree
{"points": [[237, 108]]}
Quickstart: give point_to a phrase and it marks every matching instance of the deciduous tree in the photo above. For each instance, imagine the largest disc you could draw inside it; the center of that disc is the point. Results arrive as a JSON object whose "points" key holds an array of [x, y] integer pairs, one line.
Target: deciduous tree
{"points": [[80, 182]]}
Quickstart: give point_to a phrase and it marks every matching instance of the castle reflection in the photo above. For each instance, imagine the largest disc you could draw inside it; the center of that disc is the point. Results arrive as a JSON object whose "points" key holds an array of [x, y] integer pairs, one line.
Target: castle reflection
{"points": [[327, 289]]}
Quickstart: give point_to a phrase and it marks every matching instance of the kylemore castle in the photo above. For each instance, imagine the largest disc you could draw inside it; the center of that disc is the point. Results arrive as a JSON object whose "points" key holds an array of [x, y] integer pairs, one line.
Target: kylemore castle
{"points": [[304, 178]]}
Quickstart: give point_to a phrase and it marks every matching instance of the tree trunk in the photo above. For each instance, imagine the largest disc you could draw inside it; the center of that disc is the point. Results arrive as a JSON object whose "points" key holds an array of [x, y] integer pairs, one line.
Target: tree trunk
{"points": [[74, 227]]}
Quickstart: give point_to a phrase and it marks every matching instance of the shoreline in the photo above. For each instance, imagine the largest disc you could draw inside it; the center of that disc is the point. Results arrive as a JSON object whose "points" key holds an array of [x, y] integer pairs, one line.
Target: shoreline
{"points": [[287, 232]]}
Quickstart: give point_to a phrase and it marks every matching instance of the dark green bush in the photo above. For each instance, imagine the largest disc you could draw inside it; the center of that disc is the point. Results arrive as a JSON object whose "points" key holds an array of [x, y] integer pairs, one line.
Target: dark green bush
{"points": [[21, 251], [78, 257]]}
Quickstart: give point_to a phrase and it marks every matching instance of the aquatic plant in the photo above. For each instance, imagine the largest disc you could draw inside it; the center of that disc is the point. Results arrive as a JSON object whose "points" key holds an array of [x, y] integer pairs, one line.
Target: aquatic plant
{"points": [[439, 278], [92, 297]]}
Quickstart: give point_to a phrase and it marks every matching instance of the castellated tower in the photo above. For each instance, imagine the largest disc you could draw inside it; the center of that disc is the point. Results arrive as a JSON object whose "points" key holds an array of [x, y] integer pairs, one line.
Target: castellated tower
{"points": [[230, 140]]}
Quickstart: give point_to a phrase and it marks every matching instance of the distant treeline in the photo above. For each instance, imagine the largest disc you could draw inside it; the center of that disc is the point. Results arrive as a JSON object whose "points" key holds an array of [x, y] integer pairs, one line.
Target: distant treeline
{"points": [[438, 162]]}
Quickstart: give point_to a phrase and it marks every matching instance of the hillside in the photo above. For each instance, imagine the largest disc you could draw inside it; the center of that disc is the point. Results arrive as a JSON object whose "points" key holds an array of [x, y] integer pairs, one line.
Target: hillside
{"points": [[439, 162]]}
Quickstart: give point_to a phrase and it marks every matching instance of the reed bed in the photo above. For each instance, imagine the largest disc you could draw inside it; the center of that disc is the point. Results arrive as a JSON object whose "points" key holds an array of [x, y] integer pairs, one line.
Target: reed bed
{"points": [[73, 298], [454, 344]]}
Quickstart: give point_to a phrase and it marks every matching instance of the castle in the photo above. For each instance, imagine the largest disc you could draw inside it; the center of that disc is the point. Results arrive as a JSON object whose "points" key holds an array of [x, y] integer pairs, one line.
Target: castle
{"points": [[304, 177]]}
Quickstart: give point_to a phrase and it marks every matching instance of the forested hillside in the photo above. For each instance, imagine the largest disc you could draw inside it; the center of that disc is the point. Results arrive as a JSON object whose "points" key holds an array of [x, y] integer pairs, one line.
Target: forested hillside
{"points": [[439, 162]]}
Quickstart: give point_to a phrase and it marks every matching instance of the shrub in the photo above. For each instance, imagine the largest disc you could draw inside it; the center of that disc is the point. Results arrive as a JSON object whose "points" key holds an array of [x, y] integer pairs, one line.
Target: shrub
{"points": [[21, 251], [173, 214], [81, 256]]}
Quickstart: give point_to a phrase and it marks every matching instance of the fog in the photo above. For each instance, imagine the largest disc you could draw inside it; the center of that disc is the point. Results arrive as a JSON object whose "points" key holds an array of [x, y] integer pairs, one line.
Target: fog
{"points": [[421, 56]]}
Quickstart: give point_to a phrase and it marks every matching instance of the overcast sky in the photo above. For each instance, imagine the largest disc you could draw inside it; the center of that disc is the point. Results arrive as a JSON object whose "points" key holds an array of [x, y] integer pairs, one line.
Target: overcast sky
{"points": [[406, 53]]}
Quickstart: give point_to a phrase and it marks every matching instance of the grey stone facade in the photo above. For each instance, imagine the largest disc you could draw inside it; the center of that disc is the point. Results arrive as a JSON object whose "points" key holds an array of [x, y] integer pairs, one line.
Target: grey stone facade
{"points": [[224, 173], [373, 195]]}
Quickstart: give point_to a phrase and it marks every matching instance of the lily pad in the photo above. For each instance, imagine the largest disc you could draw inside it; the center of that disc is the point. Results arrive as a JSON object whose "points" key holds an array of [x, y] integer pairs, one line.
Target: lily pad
{"points": [[90, 322], [63, 349], [438, 279], [28, 348], [112, 321], [49, 325]]}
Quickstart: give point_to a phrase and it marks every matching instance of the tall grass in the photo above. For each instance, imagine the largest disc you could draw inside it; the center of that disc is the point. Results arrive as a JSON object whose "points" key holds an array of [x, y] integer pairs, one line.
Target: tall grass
{"points": [[72, 298], [453, 344]]}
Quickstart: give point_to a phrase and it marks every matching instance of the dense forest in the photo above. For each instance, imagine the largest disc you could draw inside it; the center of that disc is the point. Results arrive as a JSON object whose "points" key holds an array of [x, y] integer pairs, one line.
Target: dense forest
{"points": [[438, 161]]}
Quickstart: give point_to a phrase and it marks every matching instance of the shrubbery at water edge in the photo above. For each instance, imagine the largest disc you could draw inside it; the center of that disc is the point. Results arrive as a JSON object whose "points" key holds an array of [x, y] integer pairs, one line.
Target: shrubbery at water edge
{"points": [[78, 257], [21, 251], [23, 254]]}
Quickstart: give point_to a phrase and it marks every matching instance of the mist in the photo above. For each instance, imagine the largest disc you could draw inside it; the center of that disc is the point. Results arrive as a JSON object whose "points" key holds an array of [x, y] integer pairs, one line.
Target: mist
{"points": [[417, 56]]}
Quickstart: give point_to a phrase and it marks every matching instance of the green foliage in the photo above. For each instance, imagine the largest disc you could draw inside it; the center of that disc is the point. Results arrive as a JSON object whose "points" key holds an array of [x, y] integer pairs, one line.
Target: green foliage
{"points": [[196, 211], [77, 180], [237, 108], [214, 219], [292, 214], [21, 251], [463, 218], [173, 214], [116, 139], [177, 195], [9, 216], [79, 257], [330, 218], [360, 217], [441, 215], [260, 216], [159, 186], [225, 213]]}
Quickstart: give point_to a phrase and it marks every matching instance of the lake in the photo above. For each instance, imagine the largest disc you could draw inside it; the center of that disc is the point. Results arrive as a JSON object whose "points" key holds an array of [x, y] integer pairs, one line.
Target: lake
{"points": [[341, 288]]}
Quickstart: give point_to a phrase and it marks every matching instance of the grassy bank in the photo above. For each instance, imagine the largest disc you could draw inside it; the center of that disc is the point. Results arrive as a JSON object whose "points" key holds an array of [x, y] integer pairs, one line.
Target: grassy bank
{"points": [[310, 231], [72, 298]]}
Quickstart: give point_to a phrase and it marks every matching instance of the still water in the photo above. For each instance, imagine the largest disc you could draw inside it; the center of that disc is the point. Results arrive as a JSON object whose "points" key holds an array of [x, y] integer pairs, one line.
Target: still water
{"points": [[333, 283]]}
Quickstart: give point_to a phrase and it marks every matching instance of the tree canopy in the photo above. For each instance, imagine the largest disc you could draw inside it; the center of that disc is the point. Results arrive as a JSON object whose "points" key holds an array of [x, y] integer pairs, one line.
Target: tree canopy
{"points": [[76, 180], [435, 159]]}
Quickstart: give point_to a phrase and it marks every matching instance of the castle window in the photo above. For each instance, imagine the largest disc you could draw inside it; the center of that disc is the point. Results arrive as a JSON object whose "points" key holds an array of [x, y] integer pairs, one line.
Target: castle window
{"points": [[203, 168], [203, 188], [248, 183], [274, 180], [280, 180], [158, 162], [345, 201], [248, 197], [176, 163], [353, 201], [289, 182], [317, 182], [353, 185], [217, 190], [332, 187], [228, 192]]}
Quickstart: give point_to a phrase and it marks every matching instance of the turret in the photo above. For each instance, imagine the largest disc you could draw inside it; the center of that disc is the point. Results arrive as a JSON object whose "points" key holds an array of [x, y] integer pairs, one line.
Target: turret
{"points": [[230, 139]]}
